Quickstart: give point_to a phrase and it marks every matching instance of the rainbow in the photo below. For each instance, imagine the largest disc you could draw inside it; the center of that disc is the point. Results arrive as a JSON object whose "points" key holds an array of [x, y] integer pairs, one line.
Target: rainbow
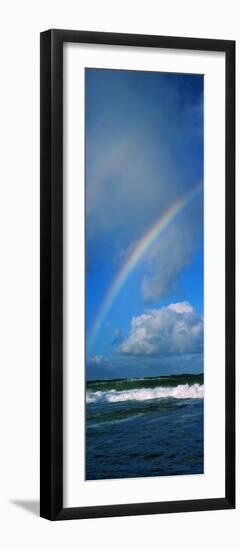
{"points": [[138, 252]]}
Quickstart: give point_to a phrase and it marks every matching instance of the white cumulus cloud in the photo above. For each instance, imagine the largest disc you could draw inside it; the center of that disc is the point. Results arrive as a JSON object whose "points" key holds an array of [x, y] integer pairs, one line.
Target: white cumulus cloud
{"points": [[174, 329]]}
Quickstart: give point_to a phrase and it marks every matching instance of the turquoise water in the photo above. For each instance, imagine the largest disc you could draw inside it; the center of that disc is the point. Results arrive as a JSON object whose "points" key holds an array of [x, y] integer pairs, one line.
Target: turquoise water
{"points": [[144, 427]]}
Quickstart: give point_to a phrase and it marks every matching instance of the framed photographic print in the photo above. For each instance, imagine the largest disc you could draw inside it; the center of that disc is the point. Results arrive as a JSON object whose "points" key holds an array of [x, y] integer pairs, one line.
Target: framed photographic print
{"points": [[137, 274]]}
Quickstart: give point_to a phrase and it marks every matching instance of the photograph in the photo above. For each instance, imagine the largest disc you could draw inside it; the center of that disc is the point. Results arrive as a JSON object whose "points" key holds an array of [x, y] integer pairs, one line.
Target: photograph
{"points": [[137, 274], [120, 270], [144, 266]]}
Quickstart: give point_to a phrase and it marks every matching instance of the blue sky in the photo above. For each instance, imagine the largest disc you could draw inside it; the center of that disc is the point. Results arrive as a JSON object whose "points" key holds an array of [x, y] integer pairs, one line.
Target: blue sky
{"points": [[144, 151]]}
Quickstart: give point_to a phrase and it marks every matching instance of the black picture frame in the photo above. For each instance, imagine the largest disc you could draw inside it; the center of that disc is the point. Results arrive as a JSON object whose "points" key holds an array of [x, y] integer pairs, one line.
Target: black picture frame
{"points": [[51, 325]]}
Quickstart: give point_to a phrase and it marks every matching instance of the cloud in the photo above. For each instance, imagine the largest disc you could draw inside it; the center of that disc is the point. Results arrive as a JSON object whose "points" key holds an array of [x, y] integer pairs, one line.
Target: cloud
{"points": [[137, 159], [98, 359], [171, 254], [171, 330]]}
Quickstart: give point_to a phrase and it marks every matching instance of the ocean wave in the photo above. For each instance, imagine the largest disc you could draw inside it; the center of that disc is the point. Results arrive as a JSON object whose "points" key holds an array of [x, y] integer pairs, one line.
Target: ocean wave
{"points": [[124, 384], [182, 391]]}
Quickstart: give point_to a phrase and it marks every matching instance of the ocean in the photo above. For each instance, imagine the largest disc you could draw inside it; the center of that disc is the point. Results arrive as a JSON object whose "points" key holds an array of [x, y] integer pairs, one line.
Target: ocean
{"points": [[144, 427]]}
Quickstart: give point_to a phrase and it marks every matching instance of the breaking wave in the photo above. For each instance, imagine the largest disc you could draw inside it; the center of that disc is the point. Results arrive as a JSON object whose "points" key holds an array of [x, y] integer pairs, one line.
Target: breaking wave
{"points": [[181, 391]]}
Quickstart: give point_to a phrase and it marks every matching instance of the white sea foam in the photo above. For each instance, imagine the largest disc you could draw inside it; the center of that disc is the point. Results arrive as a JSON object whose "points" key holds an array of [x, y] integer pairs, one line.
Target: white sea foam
{"points": [[183, 391]]}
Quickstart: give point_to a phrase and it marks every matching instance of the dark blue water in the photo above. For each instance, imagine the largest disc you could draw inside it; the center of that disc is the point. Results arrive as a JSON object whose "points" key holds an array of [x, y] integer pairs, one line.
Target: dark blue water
{"points": [[132, 432]]}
